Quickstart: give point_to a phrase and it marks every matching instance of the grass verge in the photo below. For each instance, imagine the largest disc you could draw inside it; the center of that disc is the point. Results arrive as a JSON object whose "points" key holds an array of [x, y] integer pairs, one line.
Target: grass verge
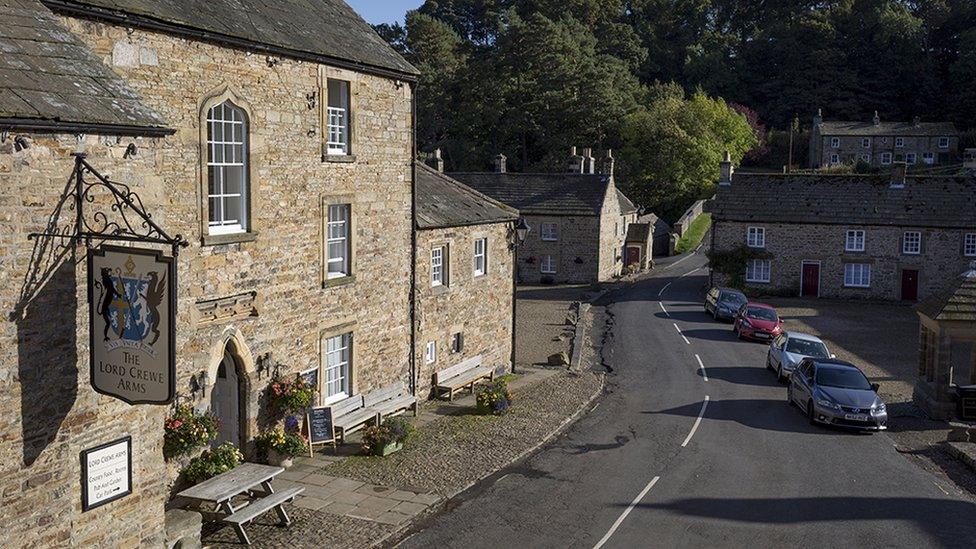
{"points": [[693, 236]]}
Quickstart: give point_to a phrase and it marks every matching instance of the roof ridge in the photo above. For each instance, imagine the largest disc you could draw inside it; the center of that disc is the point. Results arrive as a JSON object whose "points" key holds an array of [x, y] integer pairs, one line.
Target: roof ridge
{"points": [[461, 186]]}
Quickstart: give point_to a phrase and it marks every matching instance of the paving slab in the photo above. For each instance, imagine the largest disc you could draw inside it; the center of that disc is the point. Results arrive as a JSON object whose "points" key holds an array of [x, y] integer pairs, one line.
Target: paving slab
{"points": [[345, 484], [401, 495], [317, 479], [337, 508], [352, 498], [373, 502], [292, 474], [321, 492], [409, 508], [310, 503], [392, 517], [426, 499], [367, 513]]}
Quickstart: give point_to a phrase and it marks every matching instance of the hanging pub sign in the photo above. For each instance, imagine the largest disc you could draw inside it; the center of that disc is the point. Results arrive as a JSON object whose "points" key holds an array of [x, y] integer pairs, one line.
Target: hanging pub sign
{"points": [[132, 304]]}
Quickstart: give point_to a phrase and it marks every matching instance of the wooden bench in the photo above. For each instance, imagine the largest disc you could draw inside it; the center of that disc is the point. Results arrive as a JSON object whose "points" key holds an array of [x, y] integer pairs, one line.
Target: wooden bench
{"points": [[391, 401], [242, 517], [463, 374], [350, 415]]}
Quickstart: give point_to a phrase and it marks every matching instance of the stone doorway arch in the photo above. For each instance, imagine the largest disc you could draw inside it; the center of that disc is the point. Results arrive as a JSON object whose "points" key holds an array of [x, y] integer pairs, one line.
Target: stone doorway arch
{"points": [[230, 393]]}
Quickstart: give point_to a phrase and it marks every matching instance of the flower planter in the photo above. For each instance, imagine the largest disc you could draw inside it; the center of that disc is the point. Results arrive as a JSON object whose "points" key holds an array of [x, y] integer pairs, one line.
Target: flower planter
{"points": [[390, 448], [278, 459]]}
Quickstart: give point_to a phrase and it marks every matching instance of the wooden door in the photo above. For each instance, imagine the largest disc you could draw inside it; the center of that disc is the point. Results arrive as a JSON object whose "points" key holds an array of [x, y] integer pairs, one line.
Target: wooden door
{"points": [[909, 285], [633, 256], [811, 280]]}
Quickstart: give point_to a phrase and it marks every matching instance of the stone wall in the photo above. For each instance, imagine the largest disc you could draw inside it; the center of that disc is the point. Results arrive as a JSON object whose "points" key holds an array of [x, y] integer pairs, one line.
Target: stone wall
{"points": [[478, 307], [577, 251], [940, 263], [613, 232], [48, 411], [851, 149]]}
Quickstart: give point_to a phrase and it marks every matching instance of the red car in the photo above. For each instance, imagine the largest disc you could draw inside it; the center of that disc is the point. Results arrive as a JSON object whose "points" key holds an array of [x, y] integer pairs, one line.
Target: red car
{"points": [[757, 321]]}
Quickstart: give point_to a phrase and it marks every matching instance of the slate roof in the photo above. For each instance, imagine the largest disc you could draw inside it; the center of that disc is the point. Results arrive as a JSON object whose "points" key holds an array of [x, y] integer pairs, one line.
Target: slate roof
{"points": [[626, 206], [638, 232], [444, 202], [49, 80], [542, 194], [329, 29], [925, 201], [869, 129], [957, 304], [661, 226]]}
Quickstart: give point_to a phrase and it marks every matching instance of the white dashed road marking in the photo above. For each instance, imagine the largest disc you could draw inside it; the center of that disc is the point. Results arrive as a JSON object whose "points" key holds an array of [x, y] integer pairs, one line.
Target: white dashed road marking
{"points": [[664, 289], [626, 512], [681, 334], [663, 309], [697, 423], [702, 364]]}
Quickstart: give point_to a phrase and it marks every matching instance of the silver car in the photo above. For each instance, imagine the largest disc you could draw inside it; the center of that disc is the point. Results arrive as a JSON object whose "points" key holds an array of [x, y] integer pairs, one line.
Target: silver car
{"points": [[787, 350], [834, 392]]}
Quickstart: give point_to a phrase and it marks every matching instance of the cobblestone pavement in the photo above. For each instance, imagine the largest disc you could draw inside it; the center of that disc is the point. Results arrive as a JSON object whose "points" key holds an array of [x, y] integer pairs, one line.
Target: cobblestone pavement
{"points": [[308, 529], [540, 325]]}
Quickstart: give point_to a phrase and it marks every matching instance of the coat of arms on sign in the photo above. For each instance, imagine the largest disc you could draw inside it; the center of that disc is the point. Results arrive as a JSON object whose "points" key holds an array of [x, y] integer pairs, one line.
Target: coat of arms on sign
{"points": [[129, 305]]}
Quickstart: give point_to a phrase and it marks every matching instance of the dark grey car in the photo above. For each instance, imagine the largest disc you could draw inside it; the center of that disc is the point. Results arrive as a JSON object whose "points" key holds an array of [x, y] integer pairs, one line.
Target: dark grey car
{"points": [[722, 303], [834, 392]]}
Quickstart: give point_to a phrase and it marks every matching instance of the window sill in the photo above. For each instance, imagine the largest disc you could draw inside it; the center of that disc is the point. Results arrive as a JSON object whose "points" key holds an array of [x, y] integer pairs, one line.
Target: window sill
{"points": [[757, 281], [233, 238], [339, 158], [339, 281], [440, 290]]}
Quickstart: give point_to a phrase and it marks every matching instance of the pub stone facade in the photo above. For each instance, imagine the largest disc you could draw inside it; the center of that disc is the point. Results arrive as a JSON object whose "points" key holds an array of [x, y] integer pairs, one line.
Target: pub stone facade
{"points": [[578, 218], [281, 150], [465, 288], [881, 237]]}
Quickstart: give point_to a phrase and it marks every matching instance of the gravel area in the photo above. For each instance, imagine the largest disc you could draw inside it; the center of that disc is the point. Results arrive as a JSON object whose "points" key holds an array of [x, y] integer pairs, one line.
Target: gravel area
{"points": [[449, 453], [308, 529], [541, 327]]}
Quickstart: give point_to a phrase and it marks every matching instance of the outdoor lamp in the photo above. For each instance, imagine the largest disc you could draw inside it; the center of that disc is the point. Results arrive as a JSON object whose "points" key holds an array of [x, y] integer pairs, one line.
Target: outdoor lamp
{"points": [[521, 231]]}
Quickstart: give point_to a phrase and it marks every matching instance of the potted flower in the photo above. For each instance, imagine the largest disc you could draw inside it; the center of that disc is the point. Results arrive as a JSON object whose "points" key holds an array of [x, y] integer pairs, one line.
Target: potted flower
{"points": [[281, 446], [290, 397], [186, 431], [495, 398], [212, 463], [387, 438]]}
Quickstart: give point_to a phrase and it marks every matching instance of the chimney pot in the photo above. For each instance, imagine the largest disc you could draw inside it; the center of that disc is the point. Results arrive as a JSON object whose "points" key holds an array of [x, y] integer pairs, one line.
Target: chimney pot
{"points": [[726, 169], [589, 163], [501, 163], [877, 119], [436, 161], [898, 175], [608, 162], [575, 162]]}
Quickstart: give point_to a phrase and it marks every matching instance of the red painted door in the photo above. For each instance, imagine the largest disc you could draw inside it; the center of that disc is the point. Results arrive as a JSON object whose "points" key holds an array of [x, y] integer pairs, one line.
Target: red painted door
{"points": [[811, 280], [633, 256], [909, 285]]}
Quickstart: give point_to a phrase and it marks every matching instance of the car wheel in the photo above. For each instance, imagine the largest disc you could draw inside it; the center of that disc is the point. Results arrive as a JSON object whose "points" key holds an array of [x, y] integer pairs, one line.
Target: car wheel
{"points": [[789, 396], [810, 415]]}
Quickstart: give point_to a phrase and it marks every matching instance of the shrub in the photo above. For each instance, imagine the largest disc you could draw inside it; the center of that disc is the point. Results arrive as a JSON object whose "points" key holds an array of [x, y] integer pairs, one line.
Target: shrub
{"points": [[290, 397], [495, 398], [212, 463], [392, 430], [286, 443], [186, 430]]}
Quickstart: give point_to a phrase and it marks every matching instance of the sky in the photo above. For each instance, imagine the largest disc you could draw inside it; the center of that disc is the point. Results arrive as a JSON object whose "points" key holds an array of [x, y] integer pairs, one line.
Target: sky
{"points": [[384, 11]]}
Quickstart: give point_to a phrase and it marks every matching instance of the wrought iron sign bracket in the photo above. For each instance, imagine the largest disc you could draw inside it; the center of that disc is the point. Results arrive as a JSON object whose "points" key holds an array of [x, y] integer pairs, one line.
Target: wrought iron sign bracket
{"points": [[132, 222]]}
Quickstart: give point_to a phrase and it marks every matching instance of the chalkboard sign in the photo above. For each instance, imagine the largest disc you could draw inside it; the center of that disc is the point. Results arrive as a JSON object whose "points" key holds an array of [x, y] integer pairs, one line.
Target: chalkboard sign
{"points": [[320, 427]]}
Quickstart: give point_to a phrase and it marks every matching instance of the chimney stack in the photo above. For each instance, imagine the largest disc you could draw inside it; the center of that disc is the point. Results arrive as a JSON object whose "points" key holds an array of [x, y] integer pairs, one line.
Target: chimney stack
{"points": [[607, 165], [898, 172], [436, 161], [589, 163], [726, 169], [501, 163], [818, 120], [877, 119], [575, 161]]}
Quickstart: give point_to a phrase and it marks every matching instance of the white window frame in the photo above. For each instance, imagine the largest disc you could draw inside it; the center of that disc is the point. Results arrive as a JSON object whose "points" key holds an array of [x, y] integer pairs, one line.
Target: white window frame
{"points": [[899, 142], [759, 271], [886, 159], [834, 142], [835, 158], [431, 355], [911, 158], [857, 275], [866, 157], [865, 142], [943, 142], [338, 120], [547, 264], [969, 245], [225, 152], [337, 233], [438, 266], [911, 243], [928, 158], [549, 232], [480, 257], [756, 237], [336, 368], [854, 240]]}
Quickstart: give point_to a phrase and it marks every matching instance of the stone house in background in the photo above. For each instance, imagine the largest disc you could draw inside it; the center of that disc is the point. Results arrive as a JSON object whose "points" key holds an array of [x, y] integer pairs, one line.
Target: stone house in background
{"points": [[465, 287], [578, 218], [278, 140], [884, 237], [881, 144]]}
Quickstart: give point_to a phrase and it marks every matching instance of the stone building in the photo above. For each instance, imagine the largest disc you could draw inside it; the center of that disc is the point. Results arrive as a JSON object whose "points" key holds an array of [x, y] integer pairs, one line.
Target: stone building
{"points": [[578, 218], [278, 140], [465, 286], [885, 237], [881, 144]]}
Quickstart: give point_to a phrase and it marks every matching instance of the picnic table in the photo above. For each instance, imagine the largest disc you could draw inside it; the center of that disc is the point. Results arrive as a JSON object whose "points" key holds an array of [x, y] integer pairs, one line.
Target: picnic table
{"points": [[248, 479]]}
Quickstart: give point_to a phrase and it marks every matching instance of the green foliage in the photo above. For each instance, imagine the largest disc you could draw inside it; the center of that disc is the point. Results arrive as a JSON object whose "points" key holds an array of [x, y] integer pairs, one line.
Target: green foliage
{"points": [[287, 443], [394, 430], [693, 236], [212, 463], [186, 430], [495, 398], [732, 263], [290, 397]]}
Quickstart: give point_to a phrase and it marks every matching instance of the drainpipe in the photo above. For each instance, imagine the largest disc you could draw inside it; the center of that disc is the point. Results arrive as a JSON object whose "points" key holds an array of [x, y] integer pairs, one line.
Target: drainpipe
{"points": [[711, 272], [413, 241], [514, 289]]}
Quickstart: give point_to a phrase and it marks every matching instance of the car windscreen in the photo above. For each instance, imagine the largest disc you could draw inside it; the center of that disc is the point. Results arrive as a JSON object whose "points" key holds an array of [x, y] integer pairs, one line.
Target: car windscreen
{"points": [[806, 347], [760, 313], [843, 378], [733, 298]]}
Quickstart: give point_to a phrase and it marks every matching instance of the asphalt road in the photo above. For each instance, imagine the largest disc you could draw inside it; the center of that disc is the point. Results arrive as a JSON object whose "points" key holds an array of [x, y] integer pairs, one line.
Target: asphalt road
{"points": [[641, 469]]}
